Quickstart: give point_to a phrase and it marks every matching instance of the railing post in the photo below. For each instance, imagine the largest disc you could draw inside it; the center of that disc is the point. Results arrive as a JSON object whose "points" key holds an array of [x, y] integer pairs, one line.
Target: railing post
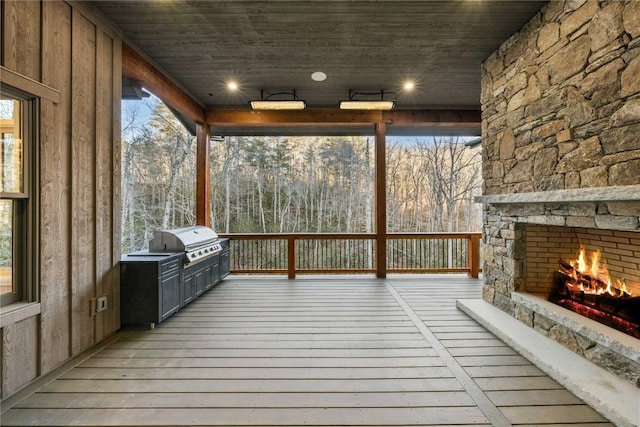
{"points": [[473, 254], [291, 257]]}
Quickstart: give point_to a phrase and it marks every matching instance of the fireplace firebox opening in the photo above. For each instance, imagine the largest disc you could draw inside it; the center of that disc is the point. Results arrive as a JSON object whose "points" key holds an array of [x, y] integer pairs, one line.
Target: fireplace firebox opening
{"points": [[593, 272]]}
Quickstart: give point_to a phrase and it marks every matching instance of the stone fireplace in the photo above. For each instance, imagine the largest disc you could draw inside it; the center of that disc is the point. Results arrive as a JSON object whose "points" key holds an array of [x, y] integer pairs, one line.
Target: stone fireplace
{"points": [[561, 165], [522, 244]]}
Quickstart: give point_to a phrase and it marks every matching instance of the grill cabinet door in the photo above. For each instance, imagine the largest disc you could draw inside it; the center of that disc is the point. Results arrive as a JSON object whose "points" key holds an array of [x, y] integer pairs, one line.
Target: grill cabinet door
{"points": [[170, 288], [225, 262]]}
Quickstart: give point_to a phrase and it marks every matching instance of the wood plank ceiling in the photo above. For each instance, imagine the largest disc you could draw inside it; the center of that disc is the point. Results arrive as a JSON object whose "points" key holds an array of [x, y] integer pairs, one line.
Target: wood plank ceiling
{"points": [[364, 46]]}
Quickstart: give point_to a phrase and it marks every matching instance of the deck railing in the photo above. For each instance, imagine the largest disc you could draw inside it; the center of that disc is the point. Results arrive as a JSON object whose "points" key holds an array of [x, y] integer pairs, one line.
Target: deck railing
{"points": [[293, 253]]}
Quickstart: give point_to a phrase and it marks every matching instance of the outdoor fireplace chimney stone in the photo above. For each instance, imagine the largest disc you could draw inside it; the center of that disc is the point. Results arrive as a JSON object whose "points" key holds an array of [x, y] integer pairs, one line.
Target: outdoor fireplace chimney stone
{"points": [[561, 151]]}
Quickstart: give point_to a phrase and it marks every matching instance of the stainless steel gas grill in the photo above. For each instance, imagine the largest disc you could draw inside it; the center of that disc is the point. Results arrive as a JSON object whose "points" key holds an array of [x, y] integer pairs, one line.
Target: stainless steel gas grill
{"points": [[197, 243], [180, 265]]}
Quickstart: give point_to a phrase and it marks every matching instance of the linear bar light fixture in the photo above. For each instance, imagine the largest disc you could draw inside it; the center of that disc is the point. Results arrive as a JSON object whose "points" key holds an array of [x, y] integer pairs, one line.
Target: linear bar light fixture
{"points": [[357, 104], [265, 103]]}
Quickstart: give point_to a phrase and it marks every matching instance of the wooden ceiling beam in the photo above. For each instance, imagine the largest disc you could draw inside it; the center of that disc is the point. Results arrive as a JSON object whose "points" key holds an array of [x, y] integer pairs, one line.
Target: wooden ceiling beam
{"points": [[137, 68], [435, 118], [317, 116], [312, 116]]}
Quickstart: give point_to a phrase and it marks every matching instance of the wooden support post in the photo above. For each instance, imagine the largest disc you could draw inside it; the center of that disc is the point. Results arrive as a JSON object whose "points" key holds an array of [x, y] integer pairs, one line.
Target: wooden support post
{"points": [[473, 253], [381, 200], [291, 257], [203, 173]]}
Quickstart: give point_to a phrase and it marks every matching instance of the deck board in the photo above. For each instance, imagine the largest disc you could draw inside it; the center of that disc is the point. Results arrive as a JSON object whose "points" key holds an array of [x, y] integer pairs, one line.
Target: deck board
{"points": [[398, 354], [552, 414], [253, 400], [533, 398], [247, 417], [186, 361], [252, 386], [305, 373], [318, 351], [270, 344]]}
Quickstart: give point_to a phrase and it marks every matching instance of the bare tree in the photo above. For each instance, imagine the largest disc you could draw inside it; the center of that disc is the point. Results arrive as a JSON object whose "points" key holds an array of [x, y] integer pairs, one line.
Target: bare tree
{"points": [[158, 174], [453, 172], [178, 143]]}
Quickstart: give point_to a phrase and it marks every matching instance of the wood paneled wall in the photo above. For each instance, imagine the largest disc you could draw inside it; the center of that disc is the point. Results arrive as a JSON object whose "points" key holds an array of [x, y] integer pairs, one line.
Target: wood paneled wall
{"points": [[64, 46]]}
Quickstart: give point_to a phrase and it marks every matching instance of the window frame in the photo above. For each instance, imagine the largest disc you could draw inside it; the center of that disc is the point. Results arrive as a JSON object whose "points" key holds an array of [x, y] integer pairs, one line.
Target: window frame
{"points": [[24, 203]]}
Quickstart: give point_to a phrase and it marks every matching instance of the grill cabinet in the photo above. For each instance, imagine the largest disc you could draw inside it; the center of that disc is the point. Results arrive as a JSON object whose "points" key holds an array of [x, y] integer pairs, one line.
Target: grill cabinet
{"points": [[150, 287], [180, 266]]}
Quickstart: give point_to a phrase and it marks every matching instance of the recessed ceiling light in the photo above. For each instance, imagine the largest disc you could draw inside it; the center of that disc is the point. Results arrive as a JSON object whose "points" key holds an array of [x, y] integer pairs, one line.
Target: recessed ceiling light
{"points": [[232, 86], [408, 85], [319, 76]]}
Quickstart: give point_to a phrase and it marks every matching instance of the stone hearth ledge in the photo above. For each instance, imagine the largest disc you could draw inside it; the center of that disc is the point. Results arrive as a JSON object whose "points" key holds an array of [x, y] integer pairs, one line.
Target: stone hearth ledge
{"points": [[607, 337], [614, 398], [624, 193]]}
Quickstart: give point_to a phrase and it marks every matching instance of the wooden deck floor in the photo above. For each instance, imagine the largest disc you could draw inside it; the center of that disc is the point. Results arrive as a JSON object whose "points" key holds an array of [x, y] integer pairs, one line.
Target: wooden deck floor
{"points": [[314, 351]]}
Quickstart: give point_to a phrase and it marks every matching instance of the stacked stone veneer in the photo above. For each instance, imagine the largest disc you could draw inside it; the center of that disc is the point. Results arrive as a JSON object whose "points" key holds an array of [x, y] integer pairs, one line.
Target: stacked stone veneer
{"points": [[560, 115], [561, 100]]}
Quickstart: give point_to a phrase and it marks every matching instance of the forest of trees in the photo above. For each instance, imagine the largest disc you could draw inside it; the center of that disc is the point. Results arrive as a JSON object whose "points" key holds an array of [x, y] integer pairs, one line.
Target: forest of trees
{"points": [[291, 184]]}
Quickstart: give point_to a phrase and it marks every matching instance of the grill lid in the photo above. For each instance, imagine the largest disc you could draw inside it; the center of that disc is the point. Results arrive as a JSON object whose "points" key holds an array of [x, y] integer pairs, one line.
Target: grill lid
{"points": [[182, 239]]}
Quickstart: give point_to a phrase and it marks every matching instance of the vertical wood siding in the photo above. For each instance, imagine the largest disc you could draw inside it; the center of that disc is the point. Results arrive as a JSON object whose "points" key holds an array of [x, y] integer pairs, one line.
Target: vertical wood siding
{"points": [[116, 207], [104, 190], [55, 186], [21, 37], [83, 136], [61, 46]]}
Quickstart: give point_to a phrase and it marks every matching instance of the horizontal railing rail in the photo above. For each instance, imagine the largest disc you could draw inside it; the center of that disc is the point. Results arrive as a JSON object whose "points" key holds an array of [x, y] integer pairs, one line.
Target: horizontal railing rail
{"points": [[325, 253]]}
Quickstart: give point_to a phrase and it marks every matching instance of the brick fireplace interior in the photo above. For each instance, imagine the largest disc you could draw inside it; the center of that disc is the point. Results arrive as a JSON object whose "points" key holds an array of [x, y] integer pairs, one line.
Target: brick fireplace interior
{"points": [[545, 245]]}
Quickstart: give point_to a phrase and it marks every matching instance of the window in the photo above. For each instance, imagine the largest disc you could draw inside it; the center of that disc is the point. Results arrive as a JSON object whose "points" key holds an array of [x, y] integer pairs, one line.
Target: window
{"points": [[17, 122]]}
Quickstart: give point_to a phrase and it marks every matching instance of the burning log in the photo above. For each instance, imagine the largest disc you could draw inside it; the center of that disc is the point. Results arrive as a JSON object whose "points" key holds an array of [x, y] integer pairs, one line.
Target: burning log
{"points": [[588, 284], [607, 304]]}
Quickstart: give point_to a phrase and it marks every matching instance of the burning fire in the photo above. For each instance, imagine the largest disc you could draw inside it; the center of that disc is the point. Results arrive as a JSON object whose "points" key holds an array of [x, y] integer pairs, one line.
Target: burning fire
{"points": [[600, 282]]}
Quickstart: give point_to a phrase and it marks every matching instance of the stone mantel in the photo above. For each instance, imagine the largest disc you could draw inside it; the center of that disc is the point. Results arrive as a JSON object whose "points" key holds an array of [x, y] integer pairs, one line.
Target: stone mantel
{"points": [[597, 194]]}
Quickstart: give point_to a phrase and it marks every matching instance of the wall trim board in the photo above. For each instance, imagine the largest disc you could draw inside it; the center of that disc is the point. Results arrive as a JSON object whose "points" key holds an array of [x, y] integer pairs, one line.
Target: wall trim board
{"points": [[17, 312], [31, 86]]}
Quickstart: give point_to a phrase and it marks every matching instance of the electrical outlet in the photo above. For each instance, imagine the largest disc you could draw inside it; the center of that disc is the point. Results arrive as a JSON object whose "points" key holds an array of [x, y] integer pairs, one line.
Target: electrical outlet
{"points": [[101, 304], [92, 306]]}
